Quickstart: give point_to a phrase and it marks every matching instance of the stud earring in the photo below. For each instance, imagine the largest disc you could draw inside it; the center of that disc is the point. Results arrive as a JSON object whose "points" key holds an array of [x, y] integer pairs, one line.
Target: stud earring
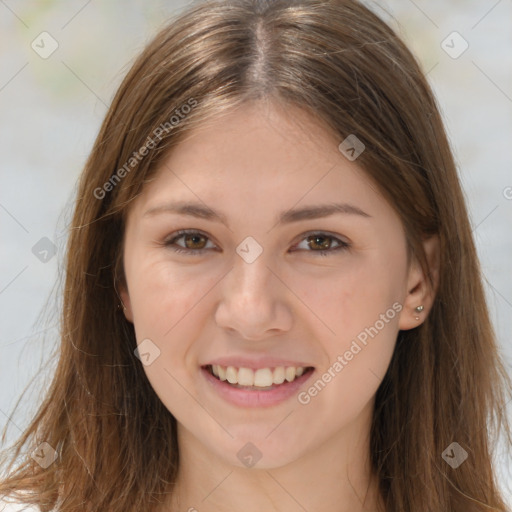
{"points": [[419, 309]]}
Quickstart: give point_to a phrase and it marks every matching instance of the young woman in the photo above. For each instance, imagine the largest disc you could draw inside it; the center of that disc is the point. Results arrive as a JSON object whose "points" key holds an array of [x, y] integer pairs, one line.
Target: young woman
{"points": [[272, 299]]}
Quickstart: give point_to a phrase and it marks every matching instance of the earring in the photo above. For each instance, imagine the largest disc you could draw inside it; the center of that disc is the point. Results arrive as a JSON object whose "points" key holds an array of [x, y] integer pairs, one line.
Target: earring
{"points": [[419, 309]]}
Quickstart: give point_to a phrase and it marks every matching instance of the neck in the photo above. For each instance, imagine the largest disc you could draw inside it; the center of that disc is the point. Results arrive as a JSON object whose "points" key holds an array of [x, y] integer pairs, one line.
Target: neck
{"points": [[333, 477]]}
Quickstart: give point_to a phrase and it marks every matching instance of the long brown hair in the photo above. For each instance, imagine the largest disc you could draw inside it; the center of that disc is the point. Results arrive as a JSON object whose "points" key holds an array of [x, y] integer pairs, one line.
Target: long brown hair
{"points": [[341, 63]]}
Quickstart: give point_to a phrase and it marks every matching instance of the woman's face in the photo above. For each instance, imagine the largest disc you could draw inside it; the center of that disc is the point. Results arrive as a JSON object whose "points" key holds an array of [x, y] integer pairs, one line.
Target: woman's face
{"points": [[302, 337]]}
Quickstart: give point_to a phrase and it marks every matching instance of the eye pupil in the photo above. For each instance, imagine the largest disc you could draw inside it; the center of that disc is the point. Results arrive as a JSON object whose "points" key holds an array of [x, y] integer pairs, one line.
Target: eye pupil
{"points": [[194, 239], [315, 239]]}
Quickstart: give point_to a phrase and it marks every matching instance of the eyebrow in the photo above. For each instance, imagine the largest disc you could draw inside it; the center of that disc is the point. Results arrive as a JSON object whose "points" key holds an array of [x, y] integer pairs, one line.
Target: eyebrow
{"points": [[286, 217]]}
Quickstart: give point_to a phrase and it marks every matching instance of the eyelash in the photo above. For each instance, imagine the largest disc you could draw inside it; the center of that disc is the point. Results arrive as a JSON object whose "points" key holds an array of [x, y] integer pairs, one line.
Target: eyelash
{"points": [[325, 252]]}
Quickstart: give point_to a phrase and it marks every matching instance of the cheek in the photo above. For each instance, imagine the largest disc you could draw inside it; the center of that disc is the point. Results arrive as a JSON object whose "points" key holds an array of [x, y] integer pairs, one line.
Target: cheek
{"points": [[167, 301], [359, 309], [354, 296], [163, 295]]}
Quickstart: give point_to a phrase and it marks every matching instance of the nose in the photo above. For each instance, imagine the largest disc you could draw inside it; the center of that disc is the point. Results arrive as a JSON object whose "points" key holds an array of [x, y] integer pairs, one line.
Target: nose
{"points": [[254, 301]]}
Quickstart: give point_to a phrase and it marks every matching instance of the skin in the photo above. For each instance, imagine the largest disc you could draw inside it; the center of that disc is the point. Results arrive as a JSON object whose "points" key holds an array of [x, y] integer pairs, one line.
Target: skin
{"points": [[292, 303]]}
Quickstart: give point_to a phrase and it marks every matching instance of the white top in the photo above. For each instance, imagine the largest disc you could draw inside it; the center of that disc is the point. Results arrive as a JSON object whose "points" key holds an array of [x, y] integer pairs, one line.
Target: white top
{"points": [[5, 506]]}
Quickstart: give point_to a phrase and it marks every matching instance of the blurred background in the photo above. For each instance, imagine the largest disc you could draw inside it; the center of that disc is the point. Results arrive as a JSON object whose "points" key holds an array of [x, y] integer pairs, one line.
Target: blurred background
{"points": [[60, 64]]}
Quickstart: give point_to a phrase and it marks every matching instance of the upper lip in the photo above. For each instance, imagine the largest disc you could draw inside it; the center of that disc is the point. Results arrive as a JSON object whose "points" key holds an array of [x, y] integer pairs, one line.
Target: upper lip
{"points": [[256, 363]]}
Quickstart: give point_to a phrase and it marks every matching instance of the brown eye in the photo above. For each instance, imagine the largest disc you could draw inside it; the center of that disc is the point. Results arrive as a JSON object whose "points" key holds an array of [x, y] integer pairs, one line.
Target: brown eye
{"points": [[319, 242], [196, 241], [193, 242]]}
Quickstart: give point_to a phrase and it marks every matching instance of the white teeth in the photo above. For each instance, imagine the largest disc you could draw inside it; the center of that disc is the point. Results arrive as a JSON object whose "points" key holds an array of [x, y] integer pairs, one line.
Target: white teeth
{"points": [[232, 375], [289, 373], [245, 377], [262, 378], [279, 375]]}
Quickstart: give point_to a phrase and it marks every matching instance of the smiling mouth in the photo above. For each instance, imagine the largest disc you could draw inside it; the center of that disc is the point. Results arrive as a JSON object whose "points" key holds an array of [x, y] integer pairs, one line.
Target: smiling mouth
{"points": [[262, 379]]}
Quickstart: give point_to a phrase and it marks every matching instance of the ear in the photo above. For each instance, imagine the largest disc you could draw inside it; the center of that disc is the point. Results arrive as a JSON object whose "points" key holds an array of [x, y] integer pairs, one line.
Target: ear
{"points": [[421, 290], [126, 303]]}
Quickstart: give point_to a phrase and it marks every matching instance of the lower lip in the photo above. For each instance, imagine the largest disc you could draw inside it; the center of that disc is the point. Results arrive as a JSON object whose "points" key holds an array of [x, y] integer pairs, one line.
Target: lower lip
{"points": [[249, 398]]}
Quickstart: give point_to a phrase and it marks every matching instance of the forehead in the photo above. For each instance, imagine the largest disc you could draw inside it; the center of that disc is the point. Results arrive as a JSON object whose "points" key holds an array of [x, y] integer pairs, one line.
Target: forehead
{"points": [[260, 159], [260, 133]]}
